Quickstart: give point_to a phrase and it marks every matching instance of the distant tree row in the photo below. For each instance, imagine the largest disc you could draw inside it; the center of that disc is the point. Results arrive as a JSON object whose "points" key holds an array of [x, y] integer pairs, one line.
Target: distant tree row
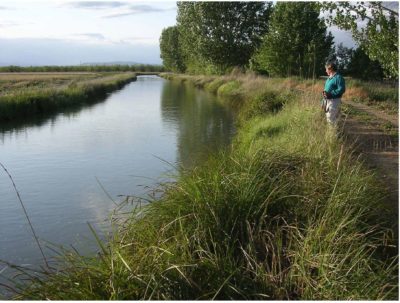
{"points": [[357, 64], [287, 39], [85, 68]]}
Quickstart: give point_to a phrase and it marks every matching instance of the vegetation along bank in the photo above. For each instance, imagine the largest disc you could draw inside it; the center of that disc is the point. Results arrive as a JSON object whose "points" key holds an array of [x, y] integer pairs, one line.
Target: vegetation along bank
{"points": [[24, 95], [286, 213]]}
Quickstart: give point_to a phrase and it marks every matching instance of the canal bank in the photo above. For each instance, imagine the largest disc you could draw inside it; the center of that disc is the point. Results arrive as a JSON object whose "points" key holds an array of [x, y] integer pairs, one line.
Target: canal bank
{"points": [[28, 95], [285, 214]]}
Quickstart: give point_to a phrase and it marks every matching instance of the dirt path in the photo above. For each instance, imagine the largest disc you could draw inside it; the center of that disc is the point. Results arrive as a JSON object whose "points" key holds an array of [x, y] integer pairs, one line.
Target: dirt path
{"points": [[377, 142], [380, 115]]}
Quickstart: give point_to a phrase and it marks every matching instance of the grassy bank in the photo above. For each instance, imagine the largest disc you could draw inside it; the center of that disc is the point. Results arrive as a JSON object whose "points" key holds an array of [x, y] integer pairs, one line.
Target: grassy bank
{"points": [[26, 95], [287, 213], [380, 95]]}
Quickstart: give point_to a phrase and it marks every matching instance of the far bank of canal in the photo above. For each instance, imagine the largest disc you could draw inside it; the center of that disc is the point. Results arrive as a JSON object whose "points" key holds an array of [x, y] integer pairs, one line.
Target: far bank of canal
{"points": [[124, 144]]}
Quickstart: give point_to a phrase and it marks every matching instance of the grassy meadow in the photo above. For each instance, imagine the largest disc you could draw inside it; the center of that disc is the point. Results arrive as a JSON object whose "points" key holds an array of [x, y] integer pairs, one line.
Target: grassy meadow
{"points": [[24, 95], [287, 213]]}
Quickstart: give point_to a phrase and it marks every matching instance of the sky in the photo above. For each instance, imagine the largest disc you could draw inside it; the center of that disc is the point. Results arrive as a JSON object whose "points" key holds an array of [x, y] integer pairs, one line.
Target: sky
{"points": [[74, 32], [63, 32]]}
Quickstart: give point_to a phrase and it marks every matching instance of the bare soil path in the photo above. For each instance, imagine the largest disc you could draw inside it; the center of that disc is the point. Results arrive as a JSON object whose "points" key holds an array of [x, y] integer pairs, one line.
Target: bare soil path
{"points": [[379, 114], [376, 140]]}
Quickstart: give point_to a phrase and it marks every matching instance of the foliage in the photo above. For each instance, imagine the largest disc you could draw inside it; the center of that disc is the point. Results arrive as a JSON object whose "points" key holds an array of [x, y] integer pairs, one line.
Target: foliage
{"points": [[297, 42], [362, 67], [219, 35], [170, 50], [379, 38], [343, 58]]}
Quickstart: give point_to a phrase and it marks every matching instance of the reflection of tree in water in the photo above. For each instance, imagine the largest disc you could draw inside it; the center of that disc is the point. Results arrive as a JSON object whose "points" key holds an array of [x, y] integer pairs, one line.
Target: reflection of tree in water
{"points": [[202, 124], [22, 125]]}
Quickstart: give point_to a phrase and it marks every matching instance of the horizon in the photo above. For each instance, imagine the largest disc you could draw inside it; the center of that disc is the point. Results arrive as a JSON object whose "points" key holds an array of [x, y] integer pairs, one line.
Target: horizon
{"points": [[64, 33]]}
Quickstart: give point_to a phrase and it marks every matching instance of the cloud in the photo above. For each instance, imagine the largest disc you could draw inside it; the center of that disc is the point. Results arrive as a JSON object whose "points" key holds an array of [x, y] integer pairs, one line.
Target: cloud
{"points": [[7, 8], [96, 36], [118, 8], [8, 23], [97, 4], [146, 9], [134, 40], [137, 9]]}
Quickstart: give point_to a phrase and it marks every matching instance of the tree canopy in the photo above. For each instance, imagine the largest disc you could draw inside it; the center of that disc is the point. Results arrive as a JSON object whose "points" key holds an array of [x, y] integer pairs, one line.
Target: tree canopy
{"points": [[170, 49], [378, 37], [287, 39], [219, 35], [362, 67], [297, 42]]}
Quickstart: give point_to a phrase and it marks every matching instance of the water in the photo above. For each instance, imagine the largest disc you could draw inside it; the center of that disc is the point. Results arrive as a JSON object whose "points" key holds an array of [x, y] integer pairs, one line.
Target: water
{"points": [[128, 144]]}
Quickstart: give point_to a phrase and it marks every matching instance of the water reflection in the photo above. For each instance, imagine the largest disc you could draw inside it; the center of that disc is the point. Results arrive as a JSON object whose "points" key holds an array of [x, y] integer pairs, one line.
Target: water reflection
{"points": [[202, 124], [56, 161], [21, 125]]}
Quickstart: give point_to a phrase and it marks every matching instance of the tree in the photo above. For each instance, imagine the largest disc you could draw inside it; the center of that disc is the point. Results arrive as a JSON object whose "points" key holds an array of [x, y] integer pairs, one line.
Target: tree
{"points": [[362, 67], [379, 37], [343, 58], [170, 50], [220, 35], [297, 42]]}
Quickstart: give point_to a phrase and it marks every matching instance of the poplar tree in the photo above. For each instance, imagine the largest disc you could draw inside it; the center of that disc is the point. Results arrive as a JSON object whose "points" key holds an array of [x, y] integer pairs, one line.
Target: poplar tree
{"points": [[374, 26], [297, 43], [220, 35], [170, 50]]}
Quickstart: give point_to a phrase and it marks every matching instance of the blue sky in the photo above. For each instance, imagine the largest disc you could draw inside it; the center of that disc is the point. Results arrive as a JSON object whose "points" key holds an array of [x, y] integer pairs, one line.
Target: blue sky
{"points": [[73, 32], [62, 32]]}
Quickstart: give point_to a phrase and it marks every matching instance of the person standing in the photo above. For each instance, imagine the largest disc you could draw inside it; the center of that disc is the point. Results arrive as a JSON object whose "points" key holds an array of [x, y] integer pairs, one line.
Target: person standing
{"points": [[333, 91]]}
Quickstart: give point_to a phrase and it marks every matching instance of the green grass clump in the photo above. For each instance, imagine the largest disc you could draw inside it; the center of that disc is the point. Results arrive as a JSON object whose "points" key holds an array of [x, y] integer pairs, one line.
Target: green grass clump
{"points": [[231, 90], [214, 85], [286, 214]]}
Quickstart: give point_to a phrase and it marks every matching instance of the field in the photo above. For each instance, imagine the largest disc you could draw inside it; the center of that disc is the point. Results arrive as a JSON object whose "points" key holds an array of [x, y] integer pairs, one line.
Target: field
{"points": [[23, 95], [288, 213]]}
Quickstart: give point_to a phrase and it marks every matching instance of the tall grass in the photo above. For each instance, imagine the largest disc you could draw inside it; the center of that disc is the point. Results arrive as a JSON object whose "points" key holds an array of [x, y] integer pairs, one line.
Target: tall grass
{"points": [[36, 97], [285, 214]]}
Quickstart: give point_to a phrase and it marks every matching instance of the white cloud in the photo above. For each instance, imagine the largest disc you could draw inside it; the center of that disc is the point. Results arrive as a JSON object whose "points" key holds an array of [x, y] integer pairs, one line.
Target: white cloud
{"points": [[96, 36], [5, 23], [136, 10], [96, 4]]}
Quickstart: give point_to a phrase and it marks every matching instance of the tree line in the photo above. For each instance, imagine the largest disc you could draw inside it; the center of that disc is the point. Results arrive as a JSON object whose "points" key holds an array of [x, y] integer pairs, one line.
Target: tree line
{"points": [[285, 39]]}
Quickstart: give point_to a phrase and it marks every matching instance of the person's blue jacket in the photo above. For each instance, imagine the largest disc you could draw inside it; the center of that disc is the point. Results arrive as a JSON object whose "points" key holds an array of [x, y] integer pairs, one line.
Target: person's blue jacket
{"points": [[335, 86]]}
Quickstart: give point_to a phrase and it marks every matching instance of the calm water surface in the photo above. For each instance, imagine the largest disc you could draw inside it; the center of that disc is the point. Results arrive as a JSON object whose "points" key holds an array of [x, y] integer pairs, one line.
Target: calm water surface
{"points": [[124, 143]]}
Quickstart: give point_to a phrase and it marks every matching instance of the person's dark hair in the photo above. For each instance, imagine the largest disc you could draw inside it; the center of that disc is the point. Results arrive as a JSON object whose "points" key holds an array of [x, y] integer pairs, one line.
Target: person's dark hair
{"points": [[331, 65]]}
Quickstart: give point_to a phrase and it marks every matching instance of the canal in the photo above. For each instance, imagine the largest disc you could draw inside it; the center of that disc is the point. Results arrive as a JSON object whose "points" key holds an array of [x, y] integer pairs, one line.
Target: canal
{"points": [[70, 170]]}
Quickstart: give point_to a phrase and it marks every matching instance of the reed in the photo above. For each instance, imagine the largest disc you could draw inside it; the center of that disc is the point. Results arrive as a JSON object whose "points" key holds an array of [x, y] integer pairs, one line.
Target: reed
{"points": [[286, 214]]}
